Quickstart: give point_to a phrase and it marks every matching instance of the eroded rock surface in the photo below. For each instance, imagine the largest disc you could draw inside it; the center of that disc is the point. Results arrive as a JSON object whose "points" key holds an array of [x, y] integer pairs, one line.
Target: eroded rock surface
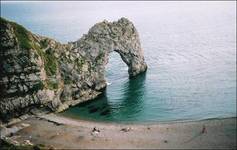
{"points": [[39, 72]]}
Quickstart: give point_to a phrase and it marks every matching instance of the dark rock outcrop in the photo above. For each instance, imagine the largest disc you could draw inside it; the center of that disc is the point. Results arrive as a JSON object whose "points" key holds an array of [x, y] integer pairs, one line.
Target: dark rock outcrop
{"points": [[39, 72]]}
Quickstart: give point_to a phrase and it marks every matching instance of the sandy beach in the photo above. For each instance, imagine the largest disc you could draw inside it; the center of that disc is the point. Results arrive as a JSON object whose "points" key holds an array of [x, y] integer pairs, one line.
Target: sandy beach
{"points": [[56, 131]]}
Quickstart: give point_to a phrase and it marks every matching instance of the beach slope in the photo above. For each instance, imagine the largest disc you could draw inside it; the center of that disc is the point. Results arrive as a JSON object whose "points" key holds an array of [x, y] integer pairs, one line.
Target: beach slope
{"points": [[60, 132]]}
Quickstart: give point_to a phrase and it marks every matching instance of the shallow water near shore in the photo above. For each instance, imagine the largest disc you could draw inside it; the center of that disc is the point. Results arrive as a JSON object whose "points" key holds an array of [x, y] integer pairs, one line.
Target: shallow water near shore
{"points": [[190, 49]]}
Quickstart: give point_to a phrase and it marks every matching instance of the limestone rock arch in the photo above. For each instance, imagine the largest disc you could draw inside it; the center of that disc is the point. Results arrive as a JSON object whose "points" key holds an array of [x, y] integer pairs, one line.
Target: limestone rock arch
{"points": [[120, 36]]}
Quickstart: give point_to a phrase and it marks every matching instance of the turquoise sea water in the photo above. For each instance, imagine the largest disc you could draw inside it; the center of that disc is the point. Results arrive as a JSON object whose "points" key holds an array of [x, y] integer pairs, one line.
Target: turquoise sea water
{"points": [[190, 49]]}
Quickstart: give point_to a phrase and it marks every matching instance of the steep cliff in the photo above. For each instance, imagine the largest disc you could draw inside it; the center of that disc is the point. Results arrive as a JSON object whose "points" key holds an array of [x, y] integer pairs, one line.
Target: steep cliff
{"points": [[39, 72]]}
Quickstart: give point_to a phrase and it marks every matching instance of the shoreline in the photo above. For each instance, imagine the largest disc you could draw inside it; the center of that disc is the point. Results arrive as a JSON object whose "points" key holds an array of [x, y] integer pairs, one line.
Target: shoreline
{"points": [[143, 122], [54, 130]]}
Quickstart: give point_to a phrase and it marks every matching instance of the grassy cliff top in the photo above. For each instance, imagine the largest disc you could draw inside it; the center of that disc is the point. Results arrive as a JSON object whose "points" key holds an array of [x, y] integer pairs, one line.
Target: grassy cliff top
{"points": [[22, 34]]}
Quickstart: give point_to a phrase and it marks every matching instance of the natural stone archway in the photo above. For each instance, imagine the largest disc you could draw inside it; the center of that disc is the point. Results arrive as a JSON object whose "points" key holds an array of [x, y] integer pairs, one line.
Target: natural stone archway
{"points": [[120, 36], [39, 72]]}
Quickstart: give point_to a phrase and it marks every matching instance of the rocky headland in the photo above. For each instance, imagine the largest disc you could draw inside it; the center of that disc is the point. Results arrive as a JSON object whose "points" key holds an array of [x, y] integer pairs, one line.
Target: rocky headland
{"points": [[39, 73]]}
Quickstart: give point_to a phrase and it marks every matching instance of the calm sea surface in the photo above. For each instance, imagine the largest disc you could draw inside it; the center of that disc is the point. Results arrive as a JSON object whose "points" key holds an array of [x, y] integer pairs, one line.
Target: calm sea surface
{"points": [[190, 49]]}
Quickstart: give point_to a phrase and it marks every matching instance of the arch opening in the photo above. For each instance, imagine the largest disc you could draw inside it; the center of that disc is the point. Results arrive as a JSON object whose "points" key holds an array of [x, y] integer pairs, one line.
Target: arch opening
{"points": [[115, 68]]}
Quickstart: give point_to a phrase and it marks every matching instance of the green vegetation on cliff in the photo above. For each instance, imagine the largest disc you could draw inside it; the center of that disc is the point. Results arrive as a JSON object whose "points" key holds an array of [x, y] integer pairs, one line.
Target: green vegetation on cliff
{"points": [[50, 62], [26, 42], [44, 43], [21, 33], [50, 66], [51, 84], [38, 86], [80, 62], [22, 36]]}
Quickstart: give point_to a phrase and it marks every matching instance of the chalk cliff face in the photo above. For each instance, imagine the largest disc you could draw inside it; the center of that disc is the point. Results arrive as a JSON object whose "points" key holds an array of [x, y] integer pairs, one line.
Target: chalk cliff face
{"points": [[39, 72]]}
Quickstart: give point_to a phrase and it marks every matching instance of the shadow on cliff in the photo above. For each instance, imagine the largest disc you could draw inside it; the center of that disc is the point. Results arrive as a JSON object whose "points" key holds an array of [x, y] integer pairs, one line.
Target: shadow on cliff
{"points": [[97, 109], [122, 108]]}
